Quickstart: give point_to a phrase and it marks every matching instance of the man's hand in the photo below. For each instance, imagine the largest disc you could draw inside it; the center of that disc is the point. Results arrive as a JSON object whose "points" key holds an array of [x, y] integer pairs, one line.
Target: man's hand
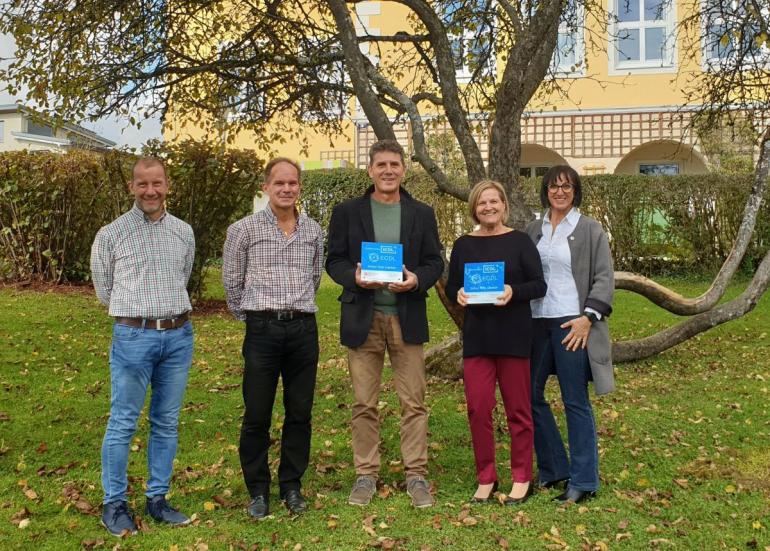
{"points": [[409, 283], [578, 335], [366, 284]]}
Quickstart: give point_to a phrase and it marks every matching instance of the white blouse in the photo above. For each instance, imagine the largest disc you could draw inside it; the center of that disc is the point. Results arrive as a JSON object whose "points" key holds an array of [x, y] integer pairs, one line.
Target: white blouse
{"points": [[561, 299]]}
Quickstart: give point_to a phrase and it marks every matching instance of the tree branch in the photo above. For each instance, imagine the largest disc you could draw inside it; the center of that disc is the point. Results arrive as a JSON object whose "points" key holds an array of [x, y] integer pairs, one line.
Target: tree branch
{"points": [[676, 303]]}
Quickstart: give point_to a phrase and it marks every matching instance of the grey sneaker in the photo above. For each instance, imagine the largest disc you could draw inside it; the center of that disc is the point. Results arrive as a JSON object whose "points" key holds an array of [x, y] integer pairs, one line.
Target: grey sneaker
{"points": [[159, 509], [419, 490], [363, 490], [116, 518]]}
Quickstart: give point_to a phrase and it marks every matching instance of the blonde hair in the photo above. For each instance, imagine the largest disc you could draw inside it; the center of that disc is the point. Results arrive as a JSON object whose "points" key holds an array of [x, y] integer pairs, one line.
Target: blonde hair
{"points": [[475, 196]]}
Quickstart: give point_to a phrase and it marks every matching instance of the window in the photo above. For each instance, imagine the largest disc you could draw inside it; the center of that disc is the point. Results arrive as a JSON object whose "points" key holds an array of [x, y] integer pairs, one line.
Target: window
{"points": [[731, 31], [569, 55], [533, 171], [643, 34], [658, 169], [470, 37], [2, 131], [39, 129]]}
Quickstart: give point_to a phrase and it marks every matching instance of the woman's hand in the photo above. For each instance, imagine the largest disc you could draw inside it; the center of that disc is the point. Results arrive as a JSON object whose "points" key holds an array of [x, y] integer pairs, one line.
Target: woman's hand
{"points": [[578, 334], [462, 298], [505, 298]]}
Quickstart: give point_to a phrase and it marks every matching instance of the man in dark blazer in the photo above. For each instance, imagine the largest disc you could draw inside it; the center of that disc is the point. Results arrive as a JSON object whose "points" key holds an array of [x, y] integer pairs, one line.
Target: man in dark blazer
{"points": [[377, 316]]}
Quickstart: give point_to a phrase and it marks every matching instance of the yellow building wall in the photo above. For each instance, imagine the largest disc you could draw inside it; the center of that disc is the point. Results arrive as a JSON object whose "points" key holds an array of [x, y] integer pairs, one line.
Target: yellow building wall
{"points": [[599, 88]]}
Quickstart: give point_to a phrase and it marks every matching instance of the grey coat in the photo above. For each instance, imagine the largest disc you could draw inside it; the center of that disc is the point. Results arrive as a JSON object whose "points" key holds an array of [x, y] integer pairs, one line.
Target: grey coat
{"points": [[595, 282]]}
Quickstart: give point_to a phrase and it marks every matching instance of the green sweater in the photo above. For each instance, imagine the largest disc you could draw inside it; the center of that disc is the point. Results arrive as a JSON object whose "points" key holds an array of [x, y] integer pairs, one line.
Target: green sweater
{"points": [[386, 218]]}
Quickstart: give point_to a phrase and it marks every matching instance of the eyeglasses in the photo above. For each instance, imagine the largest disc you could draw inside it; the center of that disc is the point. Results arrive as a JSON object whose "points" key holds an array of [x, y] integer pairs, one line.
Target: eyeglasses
{"points": [[566, 188]]}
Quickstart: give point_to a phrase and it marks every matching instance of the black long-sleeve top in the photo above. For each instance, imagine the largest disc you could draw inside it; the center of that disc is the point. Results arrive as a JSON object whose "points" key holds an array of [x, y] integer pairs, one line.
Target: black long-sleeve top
{"points": [[491, 330]]}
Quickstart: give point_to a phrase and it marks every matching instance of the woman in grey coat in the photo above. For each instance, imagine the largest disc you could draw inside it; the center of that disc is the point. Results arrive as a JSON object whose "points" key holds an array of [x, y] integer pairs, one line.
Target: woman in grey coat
{"points": [[571, 338]]}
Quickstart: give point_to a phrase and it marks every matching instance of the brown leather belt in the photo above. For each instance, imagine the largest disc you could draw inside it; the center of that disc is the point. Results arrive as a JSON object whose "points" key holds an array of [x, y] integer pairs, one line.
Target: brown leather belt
{"points": [[156, 324]]}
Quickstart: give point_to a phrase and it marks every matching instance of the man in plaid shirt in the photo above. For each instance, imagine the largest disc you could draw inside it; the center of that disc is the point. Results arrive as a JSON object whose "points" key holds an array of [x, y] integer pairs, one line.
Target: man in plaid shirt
{"points": [[271, 271], [140, 264]]}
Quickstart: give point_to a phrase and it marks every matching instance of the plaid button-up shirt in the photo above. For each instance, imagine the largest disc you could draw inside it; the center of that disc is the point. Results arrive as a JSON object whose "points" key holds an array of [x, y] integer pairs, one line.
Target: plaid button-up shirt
{"points": [[140, 268], [263, 269]]}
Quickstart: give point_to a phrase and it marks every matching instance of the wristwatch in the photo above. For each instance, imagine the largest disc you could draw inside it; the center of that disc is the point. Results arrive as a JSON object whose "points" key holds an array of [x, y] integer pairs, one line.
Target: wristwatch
{"points": [[591, 317]]}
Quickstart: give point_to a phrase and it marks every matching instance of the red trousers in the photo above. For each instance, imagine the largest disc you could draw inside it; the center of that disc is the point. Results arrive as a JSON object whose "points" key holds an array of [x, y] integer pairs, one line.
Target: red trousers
{"points": [[480, 373]]}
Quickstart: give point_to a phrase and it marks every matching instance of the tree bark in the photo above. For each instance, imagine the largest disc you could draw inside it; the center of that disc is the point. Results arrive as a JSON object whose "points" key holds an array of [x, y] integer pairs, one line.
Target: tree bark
{"points": [[638, 349], [676, 303]]}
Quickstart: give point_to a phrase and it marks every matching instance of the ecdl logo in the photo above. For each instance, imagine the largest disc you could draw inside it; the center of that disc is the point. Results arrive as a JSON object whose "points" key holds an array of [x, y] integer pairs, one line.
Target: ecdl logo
{"points": [[374, 257], [476, 278]]}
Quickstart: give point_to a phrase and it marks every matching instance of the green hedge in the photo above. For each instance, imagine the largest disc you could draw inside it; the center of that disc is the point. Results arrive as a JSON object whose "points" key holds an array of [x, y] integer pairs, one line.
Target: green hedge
{"points": [[52, 205], [655, 224]]}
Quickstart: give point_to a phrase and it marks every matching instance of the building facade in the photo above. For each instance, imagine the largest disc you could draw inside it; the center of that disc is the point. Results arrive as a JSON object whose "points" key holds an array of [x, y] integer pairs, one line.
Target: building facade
{"points": [[622, 105], [21, 129]]}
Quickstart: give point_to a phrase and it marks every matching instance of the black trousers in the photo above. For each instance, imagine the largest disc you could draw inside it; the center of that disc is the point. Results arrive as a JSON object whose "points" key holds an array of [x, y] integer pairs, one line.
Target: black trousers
{"points": [[273, 348]]}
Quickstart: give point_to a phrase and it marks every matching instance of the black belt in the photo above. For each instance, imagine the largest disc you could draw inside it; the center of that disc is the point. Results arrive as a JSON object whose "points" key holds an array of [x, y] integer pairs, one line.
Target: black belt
{"points": [[157, 324], [281, 315]]}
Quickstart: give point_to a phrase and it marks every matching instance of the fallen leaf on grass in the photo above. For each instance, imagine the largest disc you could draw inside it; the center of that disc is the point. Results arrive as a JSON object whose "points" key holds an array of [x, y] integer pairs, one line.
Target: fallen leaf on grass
{"points": [[42, 448], [470, 521], [23, 523], [91, 544], [209, 506], [20, 515], [682, 483]]}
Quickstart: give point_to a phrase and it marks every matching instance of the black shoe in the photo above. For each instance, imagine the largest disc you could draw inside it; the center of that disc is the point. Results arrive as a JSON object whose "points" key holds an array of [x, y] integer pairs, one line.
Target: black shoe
{"points": [[574, 496], [513, 501], [259, 507], [159, 509], [294, 501], [489, 499], [560, 484]]}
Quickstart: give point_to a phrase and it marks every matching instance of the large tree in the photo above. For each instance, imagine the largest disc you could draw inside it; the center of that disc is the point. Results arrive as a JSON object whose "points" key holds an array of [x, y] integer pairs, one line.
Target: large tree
{"points": [[269, 66]]}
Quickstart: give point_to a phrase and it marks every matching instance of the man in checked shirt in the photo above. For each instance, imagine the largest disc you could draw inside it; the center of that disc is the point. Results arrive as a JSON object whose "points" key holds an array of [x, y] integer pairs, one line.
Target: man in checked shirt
{"points": [[140, 264], [271, 271]]}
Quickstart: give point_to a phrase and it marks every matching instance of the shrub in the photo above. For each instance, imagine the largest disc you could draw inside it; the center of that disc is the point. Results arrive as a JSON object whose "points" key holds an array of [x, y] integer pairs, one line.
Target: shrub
{"points": [[50, 209], [210, 189]]}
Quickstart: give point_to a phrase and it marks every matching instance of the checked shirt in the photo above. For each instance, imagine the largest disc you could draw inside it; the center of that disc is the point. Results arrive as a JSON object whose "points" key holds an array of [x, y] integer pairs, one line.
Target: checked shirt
{"points": [[263, 269], [140, 268]]}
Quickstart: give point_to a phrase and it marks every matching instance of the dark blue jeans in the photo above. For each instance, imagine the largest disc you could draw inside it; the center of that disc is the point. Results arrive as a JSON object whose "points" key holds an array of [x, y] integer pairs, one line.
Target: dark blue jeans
{"points": [[573, 372], [287, 349]]}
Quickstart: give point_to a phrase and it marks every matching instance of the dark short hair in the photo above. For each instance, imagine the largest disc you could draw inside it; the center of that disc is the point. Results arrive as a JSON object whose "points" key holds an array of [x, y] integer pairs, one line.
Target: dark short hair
{"points": [[552, 176], [385, 145], [278, 160], [149, 161]]}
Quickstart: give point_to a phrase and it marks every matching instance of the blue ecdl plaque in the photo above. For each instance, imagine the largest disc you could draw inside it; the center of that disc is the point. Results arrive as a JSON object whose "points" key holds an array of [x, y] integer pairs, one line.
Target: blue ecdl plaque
{"points": [[382, 262], [484, 282]]}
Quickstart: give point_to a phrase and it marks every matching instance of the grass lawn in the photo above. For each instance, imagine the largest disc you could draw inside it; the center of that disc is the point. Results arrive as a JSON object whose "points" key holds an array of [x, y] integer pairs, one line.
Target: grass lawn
{"points": [[684, 444]]}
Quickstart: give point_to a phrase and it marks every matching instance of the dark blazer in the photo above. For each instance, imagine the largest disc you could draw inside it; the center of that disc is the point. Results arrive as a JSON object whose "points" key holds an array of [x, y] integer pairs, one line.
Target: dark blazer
{"points": [[351, 223]]}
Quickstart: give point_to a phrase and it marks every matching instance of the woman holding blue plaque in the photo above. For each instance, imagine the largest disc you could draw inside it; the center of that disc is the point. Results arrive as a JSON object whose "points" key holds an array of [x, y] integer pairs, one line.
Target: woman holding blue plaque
{"points": [[493, 354], [571, 336]]}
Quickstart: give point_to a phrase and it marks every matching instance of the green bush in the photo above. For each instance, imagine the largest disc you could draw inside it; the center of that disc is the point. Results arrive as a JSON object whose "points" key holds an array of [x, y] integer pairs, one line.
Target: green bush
{"points": [[52, 205], [50, 209], [210, 189]]}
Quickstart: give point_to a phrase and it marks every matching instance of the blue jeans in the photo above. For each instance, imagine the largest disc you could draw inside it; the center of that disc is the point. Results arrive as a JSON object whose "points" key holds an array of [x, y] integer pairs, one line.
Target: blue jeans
{"points": [[573, 373], [138, 358]]}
